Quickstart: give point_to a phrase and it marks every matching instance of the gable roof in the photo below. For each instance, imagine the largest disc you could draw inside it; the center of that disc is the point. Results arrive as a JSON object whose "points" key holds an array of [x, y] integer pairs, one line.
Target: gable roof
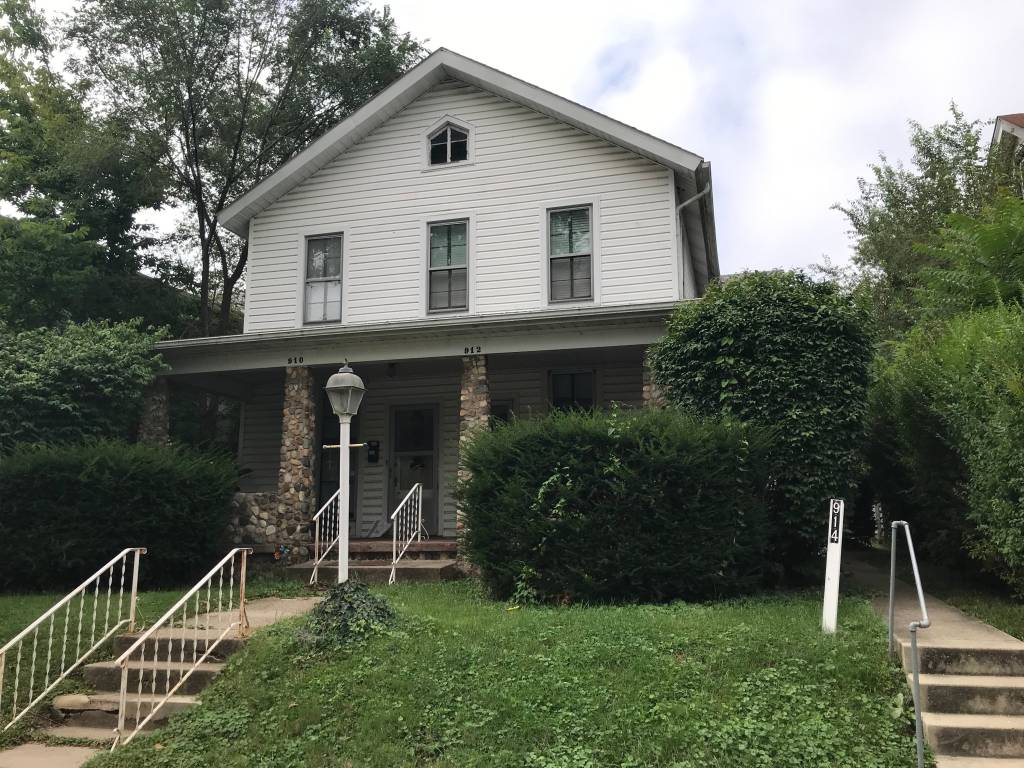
{"points": [[432, 70]]}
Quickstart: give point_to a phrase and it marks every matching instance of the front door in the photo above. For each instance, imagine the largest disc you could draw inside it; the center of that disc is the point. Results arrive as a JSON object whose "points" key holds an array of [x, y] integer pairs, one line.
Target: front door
{"points": [[414, 459]]}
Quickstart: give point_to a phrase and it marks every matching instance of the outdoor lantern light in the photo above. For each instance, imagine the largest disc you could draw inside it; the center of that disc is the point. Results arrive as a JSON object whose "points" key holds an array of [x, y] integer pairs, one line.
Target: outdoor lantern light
{"points": [[345, 391]]}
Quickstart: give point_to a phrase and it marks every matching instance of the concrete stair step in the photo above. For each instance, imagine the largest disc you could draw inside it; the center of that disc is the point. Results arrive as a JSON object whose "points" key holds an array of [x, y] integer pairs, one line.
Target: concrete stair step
{"points": [[975, 735], [967, 660], [951, 761], [378, 571], [972, 694], [99, 736], [101, 709], [173, 640], [106, 676]]}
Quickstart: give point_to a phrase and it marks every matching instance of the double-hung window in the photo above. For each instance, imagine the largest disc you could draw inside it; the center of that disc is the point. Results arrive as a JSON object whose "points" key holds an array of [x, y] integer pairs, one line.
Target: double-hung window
{"points": [[323, 279], [446, 268], [570, 254]]}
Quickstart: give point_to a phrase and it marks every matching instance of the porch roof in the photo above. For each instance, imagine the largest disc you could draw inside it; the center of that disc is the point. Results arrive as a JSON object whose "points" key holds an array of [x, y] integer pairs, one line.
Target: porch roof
{"points": [[533, 331]]}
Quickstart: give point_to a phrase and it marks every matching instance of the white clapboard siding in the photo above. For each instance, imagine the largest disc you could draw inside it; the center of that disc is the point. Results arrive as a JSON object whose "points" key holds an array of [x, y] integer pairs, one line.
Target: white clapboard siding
{"points": [[259, 454], [380, 195]]}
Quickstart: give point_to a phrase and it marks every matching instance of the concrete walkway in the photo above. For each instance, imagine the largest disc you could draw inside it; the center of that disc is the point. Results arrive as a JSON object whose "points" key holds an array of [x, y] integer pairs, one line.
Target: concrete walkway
{"points": [[972, 675], [261, 613]]}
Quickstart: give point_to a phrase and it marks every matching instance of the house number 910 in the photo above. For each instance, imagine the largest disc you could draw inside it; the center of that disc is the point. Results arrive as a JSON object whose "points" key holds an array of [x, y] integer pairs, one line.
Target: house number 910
{"points": [[295, 360]]}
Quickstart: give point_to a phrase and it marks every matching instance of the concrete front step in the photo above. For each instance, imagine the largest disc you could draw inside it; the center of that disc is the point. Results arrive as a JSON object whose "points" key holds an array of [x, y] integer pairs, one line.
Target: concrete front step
{"points": [[171, 641], [106, 676], [952, 761], [379, 571], [380, 549], [975, 735], [967, 659], [101, 709], [972, 694]]}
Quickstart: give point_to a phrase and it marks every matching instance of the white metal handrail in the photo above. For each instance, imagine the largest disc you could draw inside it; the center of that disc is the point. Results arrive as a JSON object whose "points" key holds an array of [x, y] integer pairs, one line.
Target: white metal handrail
{"points": [[45, 675], [406, 526], [326, 526], [923, 623], [176, 629]]}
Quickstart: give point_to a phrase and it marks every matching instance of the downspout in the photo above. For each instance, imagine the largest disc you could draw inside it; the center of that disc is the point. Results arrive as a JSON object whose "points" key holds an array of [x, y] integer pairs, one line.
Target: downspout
{"points": [[688, 276]]}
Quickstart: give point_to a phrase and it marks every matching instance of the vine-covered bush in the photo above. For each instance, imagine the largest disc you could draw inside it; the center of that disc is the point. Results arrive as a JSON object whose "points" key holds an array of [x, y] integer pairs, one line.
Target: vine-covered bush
{"points": [[948, 409], [74, 382], [348, 613], [624, 506], [781, 350], [67, 509]]}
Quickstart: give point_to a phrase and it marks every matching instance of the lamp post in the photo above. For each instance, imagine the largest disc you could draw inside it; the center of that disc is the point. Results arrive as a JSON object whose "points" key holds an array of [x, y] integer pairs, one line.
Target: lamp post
{"points": [[345, 391]]}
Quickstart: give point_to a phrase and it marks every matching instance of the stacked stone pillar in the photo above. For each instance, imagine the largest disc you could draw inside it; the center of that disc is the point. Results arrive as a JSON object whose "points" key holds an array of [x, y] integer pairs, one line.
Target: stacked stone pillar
{"points": [[651, 393], [296, 479], [474, 410], [154, 424]]}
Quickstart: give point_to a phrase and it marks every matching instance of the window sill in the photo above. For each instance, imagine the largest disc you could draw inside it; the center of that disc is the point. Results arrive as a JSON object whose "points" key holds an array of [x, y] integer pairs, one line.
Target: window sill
{"points": [[447, 166], [459, 311], [563, 302]]}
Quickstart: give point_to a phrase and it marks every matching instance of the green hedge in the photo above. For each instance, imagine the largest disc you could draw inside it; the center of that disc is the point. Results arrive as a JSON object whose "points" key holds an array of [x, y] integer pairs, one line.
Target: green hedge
{"points": [[948, 448], [780, 350], [623, 506], [67, 509]]}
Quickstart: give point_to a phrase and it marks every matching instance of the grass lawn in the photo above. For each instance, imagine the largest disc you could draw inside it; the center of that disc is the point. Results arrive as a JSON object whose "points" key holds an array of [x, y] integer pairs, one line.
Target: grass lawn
{"points": [[463, 681]]}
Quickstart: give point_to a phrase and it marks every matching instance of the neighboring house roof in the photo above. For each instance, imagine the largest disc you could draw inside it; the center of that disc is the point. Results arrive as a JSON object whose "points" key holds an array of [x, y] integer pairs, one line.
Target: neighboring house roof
{"points": [[692, 172], [1015, 119], [1012, 125]]}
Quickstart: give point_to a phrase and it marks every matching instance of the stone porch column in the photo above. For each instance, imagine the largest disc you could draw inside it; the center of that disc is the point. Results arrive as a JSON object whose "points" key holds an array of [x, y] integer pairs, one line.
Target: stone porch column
{"points": [[651, 393], [296, 492], [474, 410], [154, 423]]}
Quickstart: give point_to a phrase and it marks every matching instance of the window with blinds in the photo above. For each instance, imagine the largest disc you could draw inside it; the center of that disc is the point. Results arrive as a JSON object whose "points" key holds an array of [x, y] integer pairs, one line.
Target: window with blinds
{"points": [[570, 254], [446, 268], [323, 279]]}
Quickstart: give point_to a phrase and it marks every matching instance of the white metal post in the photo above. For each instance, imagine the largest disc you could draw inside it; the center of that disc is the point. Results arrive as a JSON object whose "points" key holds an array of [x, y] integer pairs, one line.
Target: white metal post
{"points": [[830, 611], [345, 422]]}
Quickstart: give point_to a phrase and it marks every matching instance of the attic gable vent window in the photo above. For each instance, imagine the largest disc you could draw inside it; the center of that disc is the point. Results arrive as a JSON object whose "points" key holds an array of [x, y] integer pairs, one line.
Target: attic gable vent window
{"points": [[449, 145]]}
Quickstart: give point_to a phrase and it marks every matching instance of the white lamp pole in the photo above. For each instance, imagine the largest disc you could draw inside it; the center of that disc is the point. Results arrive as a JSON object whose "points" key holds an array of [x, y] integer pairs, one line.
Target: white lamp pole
{"points": [[345, 391]]}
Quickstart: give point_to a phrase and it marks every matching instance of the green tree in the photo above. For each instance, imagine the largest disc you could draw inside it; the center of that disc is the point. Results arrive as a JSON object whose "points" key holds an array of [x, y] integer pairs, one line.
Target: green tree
{"points": [[977, 261], [225, 90], [952, 172], [75, 382], [781, 351], [77, 181]]}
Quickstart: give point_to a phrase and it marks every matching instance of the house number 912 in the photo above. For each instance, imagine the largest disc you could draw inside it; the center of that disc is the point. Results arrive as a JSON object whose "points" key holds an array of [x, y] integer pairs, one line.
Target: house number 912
{"points": [[473, 350]]}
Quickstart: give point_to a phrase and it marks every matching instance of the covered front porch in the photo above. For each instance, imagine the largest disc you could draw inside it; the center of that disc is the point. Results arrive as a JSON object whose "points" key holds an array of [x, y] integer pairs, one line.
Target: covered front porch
{"points": [[417, 410]]}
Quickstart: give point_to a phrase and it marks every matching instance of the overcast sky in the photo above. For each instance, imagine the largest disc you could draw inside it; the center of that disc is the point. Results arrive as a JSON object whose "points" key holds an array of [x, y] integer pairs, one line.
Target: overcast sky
{"points": [[788, 100]]}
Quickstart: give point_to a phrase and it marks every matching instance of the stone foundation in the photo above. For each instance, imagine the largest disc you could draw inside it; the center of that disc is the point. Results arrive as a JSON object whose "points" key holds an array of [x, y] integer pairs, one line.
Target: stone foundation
{"points": [[155, 421], [263, 522]]}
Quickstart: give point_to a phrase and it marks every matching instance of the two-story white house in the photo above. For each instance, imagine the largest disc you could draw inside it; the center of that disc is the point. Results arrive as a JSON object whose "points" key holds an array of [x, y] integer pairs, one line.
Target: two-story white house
{"points": [[475, 247]]}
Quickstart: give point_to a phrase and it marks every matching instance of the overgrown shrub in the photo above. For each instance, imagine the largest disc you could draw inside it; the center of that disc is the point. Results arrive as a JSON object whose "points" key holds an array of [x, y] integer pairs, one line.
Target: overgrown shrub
{"points": [[624, 506], [349, 612], [71, 383], [67, 509], [781, 350], [949, 405]]}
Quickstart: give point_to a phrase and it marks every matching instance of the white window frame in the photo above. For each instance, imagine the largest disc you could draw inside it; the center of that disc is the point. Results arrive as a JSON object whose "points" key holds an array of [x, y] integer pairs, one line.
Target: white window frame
{"points": [[441, 223], [302, 238], [595, 246], [447, 217], [436, 126]]}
